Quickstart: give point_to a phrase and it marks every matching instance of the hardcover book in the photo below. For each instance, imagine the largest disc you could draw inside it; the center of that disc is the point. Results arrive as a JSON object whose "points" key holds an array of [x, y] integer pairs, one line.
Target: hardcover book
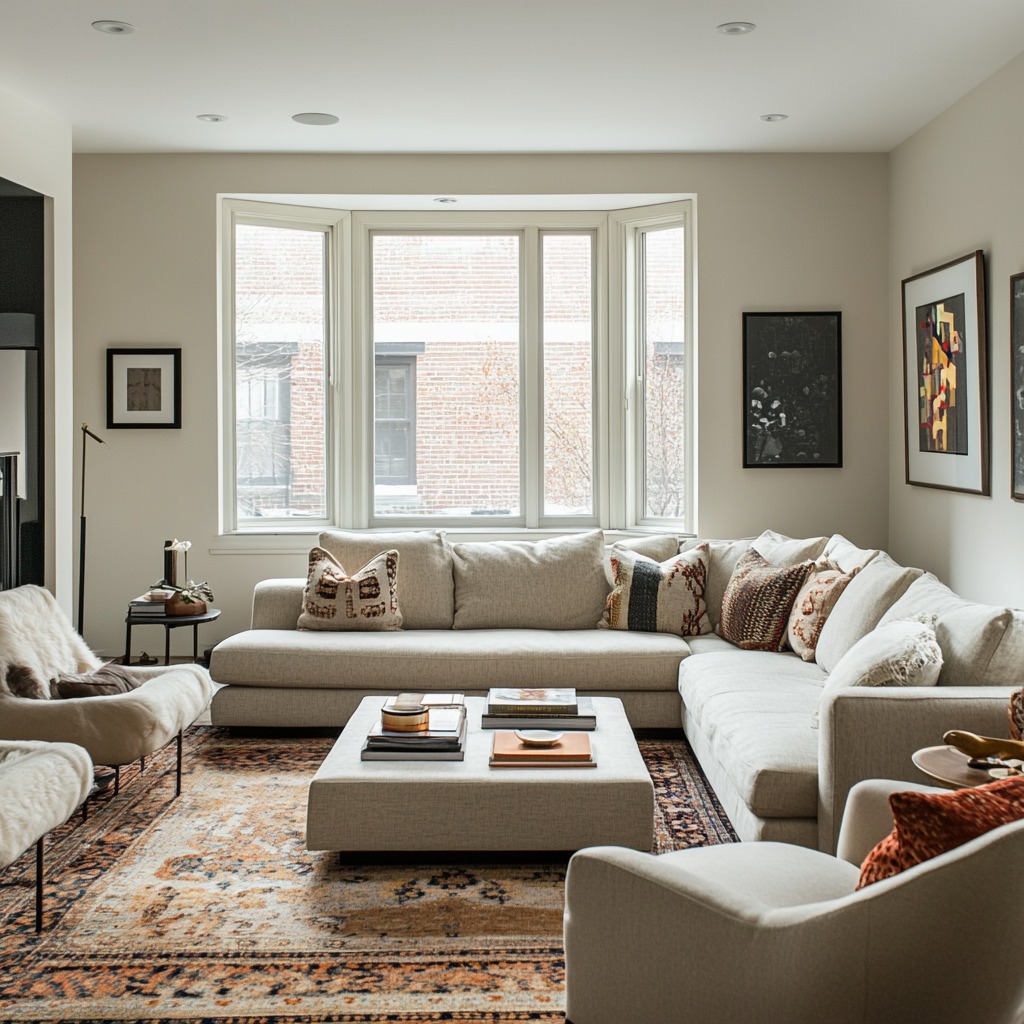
{"points": [[507, 746], [585, 719], [532, 701]]}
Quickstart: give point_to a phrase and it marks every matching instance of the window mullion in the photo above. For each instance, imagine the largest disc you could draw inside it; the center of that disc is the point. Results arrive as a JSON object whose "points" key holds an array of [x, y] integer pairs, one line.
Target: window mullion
{"points": [[532, 376]]}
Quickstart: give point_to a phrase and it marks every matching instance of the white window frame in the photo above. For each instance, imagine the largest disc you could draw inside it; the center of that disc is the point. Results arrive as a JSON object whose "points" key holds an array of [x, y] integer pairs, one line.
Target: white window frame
{"points": [[616, 395]]}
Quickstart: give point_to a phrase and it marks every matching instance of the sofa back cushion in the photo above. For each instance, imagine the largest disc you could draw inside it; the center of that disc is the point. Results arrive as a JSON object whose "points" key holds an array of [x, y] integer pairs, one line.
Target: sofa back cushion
{"points": [[839, 551], [968, 633], [559, 583], [860, 606], [426, 592]]}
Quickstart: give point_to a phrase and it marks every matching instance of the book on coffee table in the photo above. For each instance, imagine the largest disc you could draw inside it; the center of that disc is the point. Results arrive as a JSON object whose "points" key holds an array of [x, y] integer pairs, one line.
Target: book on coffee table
{"points": [[585, 719], [570, 751], [535, 700]]}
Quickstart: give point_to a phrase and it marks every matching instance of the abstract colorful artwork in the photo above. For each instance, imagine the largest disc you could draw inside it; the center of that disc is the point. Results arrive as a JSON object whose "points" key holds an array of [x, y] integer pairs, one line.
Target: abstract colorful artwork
{"points": [[943, 384], [945, 376]]}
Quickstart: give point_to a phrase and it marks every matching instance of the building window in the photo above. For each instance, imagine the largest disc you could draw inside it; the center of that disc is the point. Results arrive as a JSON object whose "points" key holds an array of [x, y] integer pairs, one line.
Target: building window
{"points": [[394, 420], [405, 368]]}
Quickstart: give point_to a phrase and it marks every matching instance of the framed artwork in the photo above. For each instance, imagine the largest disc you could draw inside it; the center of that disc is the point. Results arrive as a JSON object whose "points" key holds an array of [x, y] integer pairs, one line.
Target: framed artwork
{"points": [[792, 390], [945, 377], [1017, 384], [144, 387]]}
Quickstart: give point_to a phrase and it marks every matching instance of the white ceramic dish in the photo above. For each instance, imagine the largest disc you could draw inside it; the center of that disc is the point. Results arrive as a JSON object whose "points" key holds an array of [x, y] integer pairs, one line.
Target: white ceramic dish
{"points": [[539, 737]]}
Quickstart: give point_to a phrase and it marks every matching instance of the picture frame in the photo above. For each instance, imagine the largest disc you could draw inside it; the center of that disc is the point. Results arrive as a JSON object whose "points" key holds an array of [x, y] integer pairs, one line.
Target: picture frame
{"points": [[144, 388], [1017, 387], [945, 377], [792, 390]]}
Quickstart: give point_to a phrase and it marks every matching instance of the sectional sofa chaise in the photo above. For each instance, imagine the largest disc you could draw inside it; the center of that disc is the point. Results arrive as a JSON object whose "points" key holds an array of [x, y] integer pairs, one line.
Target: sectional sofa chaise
{"points": [[781, 737]]}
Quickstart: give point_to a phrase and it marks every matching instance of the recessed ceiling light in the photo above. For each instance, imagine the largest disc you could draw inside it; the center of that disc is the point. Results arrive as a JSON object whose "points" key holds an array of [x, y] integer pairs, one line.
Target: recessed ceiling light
{"points": [[211, 117], [446, 199], [315, 118], [736, 28], [774, 117], [114, 28]]}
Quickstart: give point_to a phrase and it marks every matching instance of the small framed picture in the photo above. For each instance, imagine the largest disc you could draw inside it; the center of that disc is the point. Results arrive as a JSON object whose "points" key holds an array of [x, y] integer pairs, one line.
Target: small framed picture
{"points": [[144, 387], [945, 377], [1017, 384], [792, 390]]}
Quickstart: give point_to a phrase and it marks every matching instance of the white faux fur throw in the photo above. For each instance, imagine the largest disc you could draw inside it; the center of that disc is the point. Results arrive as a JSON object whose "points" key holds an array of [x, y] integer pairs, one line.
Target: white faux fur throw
{"points": [[36, 633]]}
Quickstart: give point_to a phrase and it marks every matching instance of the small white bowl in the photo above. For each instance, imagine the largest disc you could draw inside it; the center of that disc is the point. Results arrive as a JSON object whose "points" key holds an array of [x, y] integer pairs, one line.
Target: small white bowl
{"points": [[539, 737]]}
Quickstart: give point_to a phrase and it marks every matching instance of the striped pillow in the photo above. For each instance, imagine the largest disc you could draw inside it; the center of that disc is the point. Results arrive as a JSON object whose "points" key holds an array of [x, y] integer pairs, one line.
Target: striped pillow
{"points": [[658, 597], [758, 602]]}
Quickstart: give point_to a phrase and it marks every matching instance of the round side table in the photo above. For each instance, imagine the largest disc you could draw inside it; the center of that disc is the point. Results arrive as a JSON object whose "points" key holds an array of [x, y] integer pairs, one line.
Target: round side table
{"points": [[169, 622], [948, 767]]}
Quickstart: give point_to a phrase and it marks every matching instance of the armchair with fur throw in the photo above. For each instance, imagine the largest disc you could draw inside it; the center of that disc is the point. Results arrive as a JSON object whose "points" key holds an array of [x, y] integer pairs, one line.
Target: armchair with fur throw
{"points": [[38, 645]]}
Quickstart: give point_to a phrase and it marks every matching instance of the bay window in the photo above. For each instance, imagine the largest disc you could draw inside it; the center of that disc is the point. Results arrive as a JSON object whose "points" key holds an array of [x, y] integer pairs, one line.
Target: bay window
{"points": [[487, 369]]}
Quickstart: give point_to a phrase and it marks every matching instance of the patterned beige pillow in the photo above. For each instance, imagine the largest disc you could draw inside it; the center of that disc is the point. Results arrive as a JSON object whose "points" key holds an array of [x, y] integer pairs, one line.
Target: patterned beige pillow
{"points": [[658, 597], [757, 602], [366, 600], [813, 605]]}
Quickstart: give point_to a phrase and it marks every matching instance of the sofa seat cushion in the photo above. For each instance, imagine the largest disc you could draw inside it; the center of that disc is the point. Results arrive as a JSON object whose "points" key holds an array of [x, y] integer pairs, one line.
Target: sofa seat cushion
{"points": [[755, 710], [460, 660]]}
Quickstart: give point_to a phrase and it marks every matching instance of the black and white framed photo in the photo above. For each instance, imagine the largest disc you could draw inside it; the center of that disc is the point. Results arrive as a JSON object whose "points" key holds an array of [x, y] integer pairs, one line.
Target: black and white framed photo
{"points": [[144, 387], [945, 377], [1017, 385], [792, 390]]}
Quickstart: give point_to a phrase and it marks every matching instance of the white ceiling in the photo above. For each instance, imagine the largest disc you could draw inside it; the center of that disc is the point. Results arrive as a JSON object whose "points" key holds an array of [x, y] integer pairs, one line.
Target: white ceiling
{"points": [[457, 76]]}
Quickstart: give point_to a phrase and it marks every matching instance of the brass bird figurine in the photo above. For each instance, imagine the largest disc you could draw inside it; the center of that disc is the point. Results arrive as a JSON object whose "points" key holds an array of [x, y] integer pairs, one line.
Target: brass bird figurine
{"points": [[984, 746]]}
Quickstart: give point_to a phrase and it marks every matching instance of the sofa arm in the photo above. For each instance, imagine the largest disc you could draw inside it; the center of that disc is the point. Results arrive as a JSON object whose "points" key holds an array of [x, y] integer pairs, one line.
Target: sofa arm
{"points": [[871, 733], [277, 604]]}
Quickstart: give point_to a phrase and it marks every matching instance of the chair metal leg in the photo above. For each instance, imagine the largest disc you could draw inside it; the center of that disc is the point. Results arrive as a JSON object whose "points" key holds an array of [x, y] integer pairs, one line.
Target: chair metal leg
{"points": [[142, 764], [117, 779], [39, 884], [85, 810], [177, 784]]}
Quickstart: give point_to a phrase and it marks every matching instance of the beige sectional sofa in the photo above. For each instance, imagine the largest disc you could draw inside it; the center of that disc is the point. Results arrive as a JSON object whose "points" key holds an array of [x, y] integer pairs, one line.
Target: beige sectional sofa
{"points": [[779, 745]]}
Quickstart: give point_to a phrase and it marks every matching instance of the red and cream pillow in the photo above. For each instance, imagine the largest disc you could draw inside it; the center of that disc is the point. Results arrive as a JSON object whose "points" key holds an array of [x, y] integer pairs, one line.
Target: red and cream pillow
{"points": [[823, 587], [929, 824]]}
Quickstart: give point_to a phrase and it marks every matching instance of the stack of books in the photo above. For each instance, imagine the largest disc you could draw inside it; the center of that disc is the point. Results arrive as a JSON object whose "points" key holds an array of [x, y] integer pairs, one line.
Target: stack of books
{"points": [[149, 603], [443, 739], [537, 708], [571, 750]]}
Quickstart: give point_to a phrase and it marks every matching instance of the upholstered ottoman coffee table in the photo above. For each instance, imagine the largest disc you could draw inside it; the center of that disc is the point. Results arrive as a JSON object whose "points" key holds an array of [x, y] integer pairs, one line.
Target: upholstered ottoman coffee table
{"points": [[405, 806]]}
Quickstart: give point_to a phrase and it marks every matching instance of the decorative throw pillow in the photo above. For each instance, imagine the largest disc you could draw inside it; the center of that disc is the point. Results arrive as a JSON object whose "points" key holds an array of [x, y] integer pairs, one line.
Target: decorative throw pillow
{"points": [[758, 601], [928, 824], [900, 653], [1016, 713], [107, 680], [813, 605], [24, 681], [365, 600], [658, 597]]}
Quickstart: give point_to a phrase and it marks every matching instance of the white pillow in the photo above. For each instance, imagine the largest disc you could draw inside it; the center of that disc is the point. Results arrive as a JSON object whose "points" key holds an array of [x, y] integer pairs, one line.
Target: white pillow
{"points": [[903, 652]]}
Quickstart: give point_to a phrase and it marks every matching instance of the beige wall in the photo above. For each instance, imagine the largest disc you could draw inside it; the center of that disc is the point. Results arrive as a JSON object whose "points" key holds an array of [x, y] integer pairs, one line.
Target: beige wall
{"points": [[774, 233], [955, 188], [35, 151]]}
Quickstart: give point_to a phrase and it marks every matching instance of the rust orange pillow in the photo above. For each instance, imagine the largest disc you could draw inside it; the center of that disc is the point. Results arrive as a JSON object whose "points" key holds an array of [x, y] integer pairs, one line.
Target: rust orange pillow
{"points": [[927, 824]]}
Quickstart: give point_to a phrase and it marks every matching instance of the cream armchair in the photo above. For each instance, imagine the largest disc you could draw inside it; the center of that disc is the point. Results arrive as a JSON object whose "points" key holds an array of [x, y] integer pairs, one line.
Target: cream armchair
{"points": [[115, 730], [769, 933]]}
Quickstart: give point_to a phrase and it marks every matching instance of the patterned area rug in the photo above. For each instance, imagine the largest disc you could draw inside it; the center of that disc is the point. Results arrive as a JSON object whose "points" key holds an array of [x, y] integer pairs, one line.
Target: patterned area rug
{"points": [[209, 907]]}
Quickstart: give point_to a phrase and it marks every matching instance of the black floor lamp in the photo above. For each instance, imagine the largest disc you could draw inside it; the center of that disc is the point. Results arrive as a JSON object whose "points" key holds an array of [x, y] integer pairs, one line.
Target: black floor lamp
{"points": [[86, 432]]}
